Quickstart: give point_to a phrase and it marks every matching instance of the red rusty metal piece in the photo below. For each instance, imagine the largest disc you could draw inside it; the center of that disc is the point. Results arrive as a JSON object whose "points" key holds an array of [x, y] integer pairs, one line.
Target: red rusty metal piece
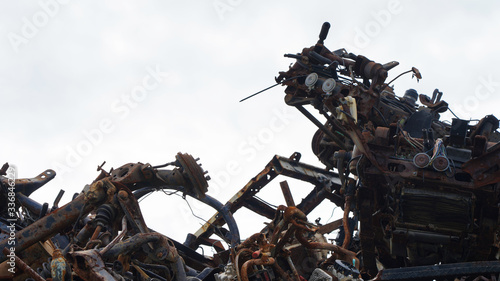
{"points": [[255, 239], [262, 261], [130, 173], [345, 222], [131, 208], [24, 267], [89, 265], [237, 260], [342, 253]]}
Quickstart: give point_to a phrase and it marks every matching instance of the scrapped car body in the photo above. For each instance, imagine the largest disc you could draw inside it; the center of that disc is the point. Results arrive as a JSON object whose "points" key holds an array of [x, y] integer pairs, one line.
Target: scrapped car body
{"points": [[420, 197]]}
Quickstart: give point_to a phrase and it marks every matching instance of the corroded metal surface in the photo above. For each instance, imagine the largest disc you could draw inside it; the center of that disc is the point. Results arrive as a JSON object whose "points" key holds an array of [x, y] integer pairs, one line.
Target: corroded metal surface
{"points": [[420, 197], [421, 190]]}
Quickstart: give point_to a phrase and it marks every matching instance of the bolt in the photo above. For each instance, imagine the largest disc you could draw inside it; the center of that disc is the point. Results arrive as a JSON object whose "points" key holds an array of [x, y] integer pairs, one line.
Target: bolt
{"points": [[122, 194]]}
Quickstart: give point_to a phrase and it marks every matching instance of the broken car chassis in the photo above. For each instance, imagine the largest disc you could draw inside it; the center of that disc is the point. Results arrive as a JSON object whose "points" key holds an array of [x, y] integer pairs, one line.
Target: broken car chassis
{"points": [[420, 198]]}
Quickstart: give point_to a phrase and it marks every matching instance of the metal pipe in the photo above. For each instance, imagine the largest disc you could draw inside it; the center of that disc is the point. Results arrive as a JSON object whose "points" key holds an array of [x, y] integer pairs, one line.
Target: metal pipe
{"points": [[226, 214], [85, 233], [24, 267], [322, 127], [117, 238], [263, 261], [49, 225], [96, 232], [132, 244], [143, 191], [179, 268], [348, 255], [345, 222], [281, 272], [252, 262], [236, 261], [28, 203], [281, 243], [292, 266], [158, 267], [277, 230]]}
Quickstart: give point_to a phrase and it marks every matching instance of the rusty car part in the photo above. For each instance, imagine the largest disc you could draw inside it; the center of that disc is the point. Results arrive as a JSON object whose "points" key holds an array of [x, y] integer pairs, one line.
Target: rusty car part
{"points": [[89, 265], [28, 186], [287, 222], [60, 268], [327, 186], [50, 225], [424, 191], [24, 267], [420, 197], [116, 229]]}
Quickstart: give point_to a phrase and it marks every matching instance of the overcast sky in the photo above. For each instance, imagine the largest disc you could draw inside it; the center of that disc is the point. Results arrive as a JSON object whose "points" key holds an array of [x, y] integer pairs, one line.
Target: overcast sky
{"points": [[138, 81]]}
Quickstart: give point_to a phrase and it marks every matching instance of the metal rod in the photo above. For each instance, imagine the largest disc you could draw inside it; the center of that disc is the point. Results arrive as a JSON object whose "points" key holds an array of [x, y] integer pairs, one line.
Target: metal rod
{"points": [[321, 127], [260, 92]]}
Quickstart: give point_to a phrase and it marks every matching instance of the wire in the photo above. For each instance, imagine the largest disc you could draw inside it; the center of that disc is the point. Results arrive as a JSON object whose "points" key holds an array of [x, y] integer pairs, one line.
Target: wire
{"points": [[452, 171], [414, 143], [399, 76], [164, 165], [357, 164], [331, 214], [381, 115], [189, 205], [152, 191], [170, 193], [265, 202], [438, 151], [453, 113], [291, 78], [200, 218]]}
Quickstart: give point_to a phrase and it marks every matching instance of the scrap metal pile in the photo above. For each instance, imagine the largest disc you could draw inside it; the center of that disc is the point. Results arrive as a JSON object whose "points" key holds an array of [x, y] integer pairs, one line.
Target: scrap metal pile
{"points": [[420, 198]]}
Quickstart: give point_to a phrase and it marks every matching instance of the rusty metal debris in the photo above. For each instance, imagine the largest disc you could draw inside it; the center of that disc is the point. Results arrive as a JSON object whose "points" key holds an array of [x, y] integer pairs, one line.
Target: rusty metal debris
{"points": [[420, 198]]}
